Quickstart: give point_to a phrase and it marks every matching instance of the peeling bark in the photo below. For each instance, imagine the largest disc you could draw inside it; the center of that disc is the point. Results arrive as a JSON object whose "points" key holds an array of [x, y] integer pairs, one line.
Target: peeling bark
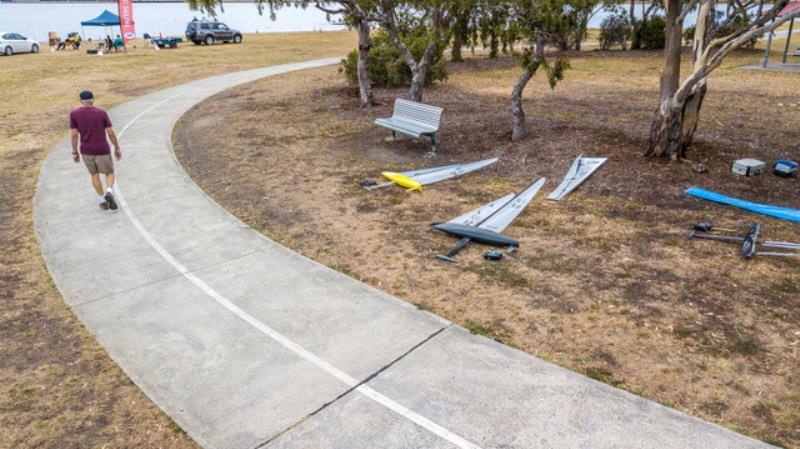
{"points": [[666, 128], [691, 117], [665, 133]]}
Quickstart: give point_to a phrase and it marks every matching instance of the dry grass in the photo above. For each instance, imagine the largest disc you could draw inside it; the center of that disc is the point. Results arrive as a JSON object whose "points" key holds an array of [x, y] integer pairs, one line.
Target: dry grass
{"points": [[605, 282], [58, 388]]}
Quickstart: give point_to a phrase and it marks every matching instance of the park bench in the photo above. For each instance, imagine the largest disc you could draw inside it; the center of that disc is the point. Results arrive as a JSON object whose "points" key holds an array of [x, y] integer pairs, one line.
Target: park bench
{"points": [[413, 119]]}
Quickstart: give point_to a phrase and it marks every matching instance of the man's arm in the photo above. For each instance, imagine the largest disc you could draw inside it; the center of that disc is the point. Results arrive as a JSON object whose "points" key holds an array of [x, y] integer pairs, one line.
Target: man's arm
{"points": [[74, 140], [113, 137]]}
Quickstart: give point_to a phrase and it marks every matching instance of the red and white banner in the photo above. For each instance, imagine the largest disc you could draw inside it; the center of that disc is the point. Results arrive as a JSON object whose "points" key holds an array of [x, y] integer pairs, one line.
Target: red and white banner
{"points": [[125, 9]]}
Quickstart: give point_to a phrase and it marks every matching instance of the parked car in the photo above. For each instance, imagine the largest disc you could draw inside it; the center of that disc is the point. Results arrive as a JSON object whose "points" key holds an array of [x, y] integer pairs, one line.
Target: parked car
{"points": [[11, 43], [210, 31]]}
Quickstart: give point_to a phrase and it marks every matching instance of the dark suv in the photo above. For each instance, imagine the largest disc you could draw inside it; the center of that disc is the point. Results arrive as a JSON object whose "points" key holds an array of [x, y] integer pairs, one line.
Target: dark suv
{"points": [[210, 31]]}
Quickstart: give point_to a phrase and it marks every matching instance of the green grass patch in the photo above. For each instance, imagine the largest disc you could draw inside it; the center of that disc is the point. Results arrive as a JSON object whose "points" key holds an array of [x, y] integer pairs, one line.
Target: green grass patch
{"points": [[173, 426], [682, 332], [394, 200], [746, 345], [345, 270], [602, 374], [477, 328]]}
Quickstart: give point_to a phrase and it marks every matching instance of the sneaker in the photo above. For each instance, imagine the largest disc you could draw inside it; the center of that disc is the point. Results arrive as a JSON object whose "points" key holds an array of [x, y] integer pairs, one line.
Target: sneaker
{"points": [[110, 199], [104, 205]]}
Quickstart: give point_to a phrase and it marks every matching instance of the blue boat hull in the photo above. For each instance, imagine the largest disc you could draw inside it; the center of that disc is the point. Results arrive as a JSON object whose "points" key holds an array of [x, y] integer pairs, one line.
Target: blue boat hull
{"points": [[784, 213]]}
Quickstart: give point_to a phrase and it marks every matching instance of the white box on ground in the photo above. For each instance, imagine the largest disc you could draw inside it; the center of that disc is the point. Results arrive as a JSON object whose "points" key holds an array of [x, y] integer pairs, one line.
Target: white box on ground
{"points": [[748, 167]]}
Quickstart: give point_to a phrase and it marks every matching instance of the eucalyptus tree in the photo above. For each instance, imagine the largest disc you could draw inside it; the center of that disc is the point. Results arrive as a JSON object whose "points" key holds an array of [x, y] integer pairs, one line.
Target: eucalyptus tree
{"points": [[638, 24], [493, 26], [677, 115], [574, 24], [464, 14], [356, 13], [532, 22], [432, 16]]}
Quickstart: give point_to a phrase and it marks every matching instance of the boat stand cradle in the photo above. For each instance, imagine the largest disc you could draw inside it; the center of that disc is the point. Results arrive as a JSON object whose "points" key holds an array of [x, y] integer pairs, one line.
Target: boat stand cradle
{"points": [[749, 241]]}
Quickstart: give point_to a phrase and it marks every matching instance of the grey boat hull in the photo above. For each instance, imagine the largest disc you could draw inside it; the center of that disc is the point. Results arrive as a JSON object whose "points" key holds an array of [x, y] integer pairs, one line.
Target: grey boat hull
{"points": [[476, 234]]}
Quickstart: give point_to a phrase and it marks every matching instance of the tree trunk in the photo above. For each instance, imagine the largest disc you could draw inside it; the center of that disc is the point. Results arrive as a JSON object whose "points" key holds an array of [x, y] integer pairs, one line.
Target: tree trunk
{"points": [[703, 33], [673, 128], [420, 72], [460, 31], [580, 33], [455, 53], [665, 132], [494, 44], [364, 82], [419, 69], [677, 116], [517, 112], [518, 123], [691, 116], [417, 85], [563, 42], [635, 27], [494, 48]]}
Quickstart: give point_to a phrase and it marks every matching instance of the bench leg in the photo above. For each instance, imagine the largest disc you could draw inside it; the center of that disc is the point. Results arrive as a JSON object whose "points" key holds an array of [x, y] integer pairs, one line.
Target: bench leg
{"points": [[394, 135], [433, 143]]}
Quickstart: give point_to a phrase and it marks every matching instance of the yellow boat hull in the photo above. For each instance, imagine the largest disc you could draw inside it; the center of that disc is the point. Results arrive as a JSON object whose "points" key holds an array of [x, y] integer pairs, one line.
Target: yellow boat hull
{"points": [[403, 180]]}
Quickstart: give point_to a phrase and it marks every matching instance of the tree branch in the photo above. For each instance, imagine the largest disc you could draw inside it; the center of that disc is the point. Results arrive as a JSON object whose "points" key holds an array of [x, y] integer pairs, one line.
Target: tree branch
{"points": [[685, 11], [390, 23], [331, 11], [733, 42]]}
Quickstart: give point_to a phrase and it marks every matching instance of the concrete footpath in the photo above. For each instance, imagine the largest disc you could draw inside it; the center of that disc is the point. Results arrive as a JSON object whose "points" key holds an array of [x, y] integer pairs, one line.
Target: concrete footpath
{"points": [[246, 344]]}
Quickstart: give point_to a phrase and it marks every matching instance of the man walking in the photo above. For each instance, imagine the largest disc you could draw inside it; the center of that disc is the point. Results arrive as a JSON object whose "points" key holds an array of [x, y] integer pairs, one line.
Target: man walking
{"points": [[92, 125]]}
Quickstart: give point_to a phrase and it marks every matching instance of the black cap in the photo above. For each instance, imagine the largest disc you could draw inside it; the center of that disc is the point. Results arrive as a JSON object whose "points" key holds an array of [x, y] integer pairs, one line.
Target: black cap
{"points": [[86, 95]]}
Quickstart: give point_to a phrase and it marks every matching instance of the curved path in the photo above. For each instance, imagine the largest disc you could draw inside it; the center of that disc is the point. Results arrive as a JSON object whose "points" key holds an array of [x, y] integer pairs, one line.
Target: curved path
{"points": [[247, 344]]}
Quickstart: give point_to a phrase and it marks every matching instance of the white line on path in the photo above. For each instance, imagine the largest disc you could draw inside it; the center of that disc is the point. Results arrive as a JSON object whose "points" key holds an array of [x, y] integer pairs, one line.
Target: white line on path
{"points": [[275, 335]]}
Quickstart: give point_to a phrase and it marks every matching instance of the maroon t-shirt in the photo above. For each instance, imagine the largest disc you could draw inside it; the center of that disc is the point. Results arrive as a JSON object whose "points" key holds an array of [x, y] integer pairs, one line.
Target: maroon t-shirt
{"points": [[91, 123]]}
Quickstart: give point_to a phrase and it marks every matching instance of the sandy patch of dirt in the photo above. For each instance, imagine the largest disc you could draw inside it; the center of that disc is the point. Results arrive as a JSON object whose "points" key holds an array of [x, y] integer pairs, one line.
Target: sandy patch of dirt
{"points": [[605, 283]]}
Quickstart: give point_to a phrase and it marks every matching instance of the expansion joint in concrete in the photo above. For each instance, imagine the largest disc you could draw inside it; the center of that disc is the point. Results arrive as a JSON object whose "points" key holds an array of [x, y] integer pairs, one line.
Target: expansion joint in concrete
{"points": [[354, 387]]}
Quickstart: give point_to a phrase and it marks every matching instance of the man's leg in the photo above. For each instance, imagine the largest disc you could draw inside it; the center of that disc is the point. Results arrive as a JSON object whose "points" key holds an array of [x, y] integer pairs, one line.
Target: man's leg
{"points": [[97, 184], [106, 165], [98, 188], [91, 165]]}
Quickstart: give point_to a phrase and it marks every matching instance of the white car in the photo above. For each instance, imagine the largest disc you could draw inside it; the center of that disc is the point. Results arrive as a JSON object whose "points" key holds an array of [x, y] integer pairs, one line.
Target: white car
{"points": [[11, 43]]}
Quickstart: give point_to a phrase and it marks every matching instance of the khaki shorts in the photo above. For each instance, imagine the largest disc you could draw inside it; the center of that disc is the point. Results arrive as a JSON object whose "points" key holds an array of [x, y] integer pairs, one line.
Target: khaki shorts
{"points": [[99, 164]]}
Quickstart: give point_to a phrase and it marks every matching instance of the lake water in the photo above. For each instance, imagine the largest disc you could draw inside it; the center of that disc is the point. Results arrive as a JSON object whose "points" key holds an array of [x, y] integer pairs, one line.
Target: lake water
{"points": [[35, 20]]}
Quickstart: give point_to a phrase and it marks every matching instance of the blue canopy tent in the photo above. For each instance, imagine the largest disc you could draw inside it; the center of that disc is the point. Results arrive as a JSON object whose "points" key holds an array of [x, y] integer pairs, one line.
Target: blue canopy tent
{"points": [[105, 19]]}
